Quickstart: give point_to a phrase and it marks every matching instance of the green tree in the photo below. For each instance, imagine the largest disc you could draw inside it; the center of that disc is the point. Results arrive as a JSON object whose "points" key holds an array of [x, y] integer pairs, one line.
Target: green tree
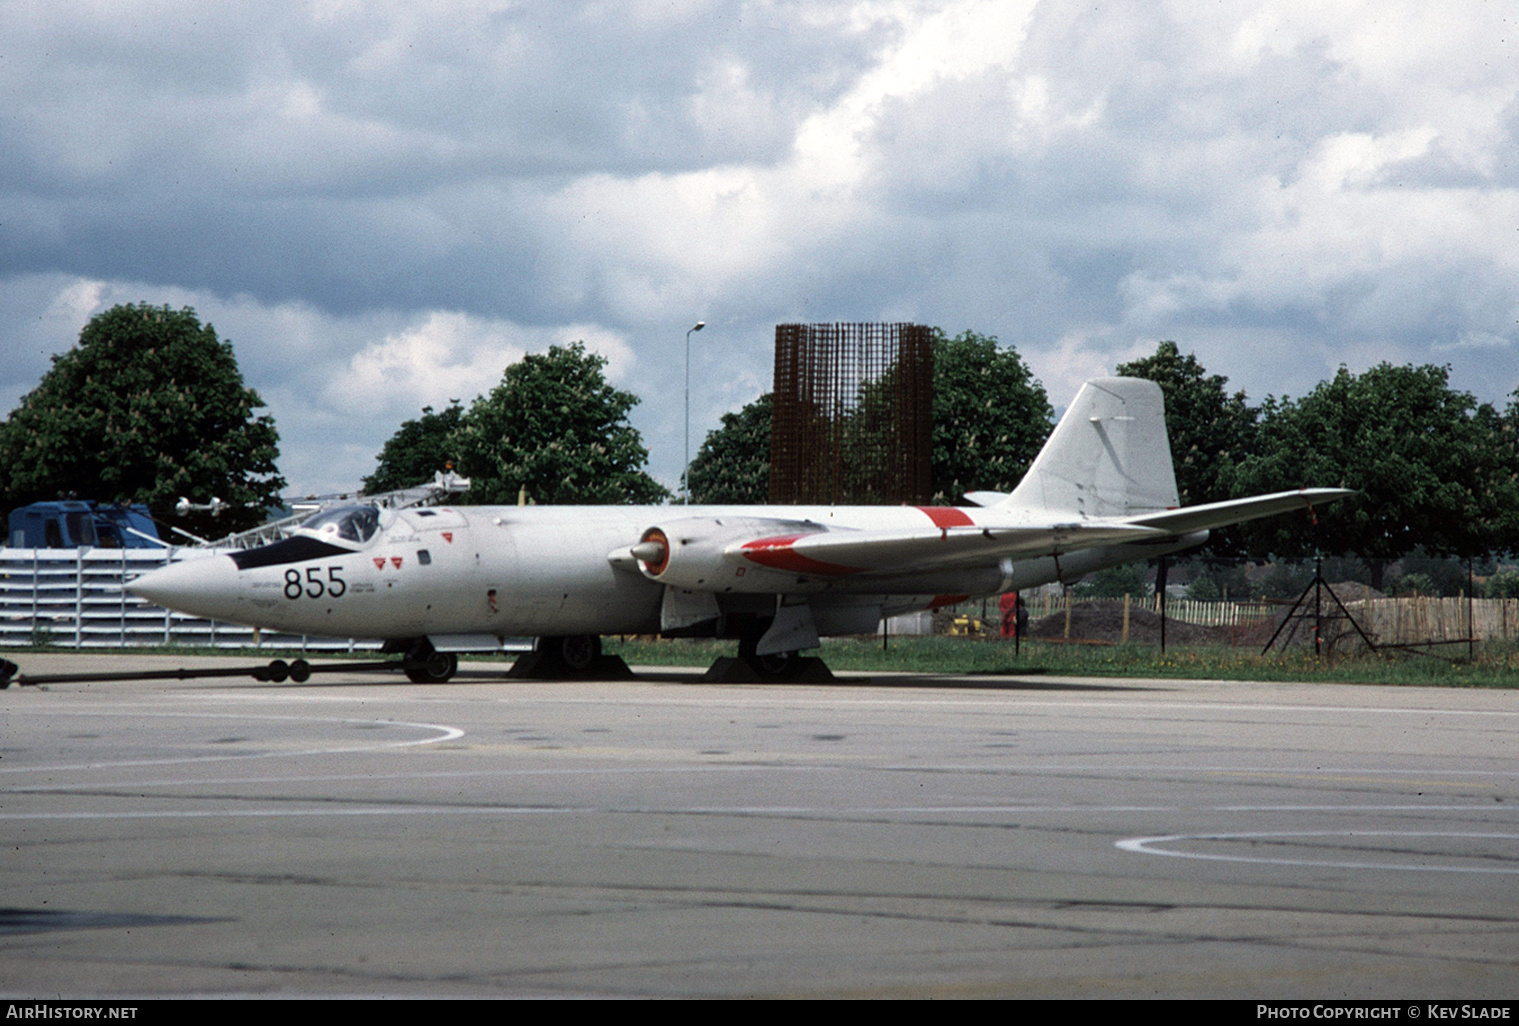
{"points": [[1443, 575], [1502, 584], [990, 416], [1212, 578], [417, 451], [1430, 465], [733, 464], [148, 407], [554, 427], [1285, 579], [1115, 582], [1507, 446]]}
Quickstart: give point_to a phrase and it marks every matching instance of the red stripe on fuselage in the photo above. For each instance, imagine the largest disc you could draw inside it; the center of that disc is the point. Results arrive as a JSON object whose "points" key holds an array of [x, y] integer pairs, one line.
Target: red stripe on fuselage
{"points": [[947, 516], [777, 554]]}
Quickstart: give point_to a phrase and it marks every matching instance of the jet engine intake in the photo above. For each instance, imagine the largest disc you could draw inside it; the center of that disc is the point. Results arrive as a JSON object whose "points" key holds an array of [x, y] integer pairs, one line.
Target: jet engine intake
{"points": [[689, 553]]}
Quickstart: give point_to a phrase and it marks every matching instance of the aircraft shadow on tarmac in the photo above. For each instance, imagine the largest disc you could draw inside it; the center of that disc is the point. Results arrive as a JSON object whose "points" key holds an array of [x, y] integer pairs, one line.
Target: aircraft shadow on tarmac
{"points": [[1024, 680], [33, 920]]}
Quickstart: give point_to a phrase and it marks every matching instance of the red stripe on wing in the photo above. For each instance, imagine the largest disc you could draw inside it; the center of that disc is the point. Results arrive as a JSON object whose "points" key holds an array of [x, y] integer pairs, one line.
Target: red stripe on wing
{"points": [[777, 554], [947, 516]]}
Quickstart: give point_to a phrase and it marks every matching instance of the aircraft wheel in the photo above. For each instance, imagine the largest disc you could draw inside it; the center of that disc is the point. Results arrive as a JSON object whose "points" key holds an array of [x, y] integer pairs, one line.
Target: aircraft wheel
{"points": [[433, 668], [776, 666], [575, 652], [300, 671]]}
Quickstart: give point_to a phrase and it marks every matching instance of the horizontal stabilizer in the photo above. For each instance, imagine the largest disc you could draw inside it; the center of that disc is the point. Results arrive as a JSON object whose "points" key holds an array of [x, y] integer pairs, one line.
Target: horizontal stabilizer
{"points": [[1237, 511]]}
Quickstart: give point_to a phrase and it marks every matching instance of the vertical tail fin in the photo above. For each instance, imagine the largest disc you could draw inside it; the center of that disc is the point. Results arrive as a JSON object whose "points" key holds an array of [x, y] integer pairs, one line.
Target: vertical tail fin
{"points": [[1108, 457]]}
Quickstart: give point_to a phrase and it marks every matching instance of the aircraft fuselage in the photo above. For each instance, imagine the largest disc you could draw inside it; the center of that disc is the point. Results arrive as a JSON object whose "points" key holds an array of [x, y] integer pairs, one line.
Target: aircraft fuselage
{"points": [[527, 571]]}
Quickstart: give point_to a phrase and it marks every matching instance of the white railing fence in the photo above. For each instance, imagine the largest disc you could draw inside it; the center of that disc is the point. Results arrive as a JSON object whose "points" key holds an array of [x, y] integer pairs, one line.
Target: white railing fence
{"points": [[74, 598]]}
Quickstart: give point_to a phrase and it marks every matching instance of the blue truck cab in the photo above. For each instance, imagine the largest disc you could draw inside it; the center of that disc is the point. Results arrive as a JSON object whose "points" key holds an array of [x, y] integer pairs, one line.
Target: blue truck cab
{"points": [[71, 524]]}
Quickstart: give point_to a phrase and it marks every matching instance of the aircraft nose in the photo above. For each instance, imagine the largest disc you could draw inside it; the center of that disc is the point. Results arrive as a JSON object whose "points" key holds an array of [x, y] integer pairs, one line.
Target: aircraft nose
{"points": [[202, 587]]}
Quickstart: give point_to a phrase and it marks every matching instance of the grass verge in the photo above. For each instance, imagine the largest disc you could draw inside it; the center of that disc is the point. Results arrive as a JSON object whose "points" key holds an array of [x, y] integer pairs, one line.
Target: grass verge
{"points": [[1494, 665]]}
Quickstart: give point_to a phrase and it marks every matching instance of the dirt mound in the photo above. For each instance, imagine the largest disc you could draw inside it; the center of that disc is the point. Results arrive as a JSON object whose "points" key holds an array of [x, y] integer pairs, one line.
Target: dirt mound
{"points": [[1351, 591]]}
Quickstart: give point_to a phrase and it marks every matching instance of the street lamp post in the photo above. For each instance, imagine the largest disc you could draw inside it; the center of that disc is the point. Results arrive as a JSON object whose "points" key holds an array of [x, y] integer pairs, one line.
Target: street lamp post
{"points": [[685, 473]]}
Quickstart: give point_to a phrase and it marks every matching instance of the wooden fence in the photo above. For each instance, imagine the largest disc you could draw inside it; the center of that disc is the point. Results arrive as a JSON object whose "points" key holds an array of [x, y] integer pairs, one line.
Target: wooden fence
{"points": [[1387, 621]]}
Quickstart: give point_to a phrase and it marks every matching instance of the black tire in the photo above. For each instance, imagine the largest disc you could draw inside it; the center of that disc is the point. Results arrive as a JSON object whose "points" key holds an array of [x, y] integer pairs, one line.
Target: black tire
{"points": [[578, 652], [776, 666], [300, 671], [432, 668], [571, 653]]}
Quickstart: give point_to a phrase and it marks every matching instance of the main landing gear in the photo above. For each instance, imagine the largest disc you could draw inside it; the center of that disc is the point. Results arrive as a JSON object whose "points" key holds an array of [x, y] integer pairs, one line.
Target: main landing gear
{"points": [[779, 667], [565, 657], [775, 666], [570, 657], [579, 657]]}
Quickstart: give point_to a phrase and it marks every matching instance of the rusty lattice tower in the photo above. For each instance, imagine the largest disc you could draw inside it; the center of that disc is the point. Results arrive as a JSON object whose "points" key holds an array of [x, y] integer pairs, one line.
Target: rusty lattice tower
{"points": [[853, 416]]}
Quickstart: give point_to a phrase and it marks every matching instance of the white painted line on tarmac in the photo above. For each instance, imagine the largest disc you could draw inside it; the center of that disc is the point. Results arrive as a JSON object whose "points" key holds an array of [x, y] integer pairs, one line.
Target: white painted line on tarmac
{"points": [[1149, 846], [443, 733], [281, 813]]}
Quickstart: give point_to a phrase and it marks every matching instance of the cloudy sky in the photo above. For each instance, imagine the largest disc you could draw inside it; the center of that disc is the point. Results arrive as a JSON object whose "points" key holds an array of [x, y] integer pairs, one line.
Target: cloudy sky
{"points": [[382, 204]]}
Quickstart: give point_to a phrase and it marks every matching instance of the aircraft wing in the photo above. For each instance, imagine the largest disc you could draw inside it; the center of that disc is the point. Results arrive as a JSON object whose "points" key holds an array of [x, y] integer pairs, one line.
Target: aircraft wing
{"points": [[1235, 511], [845, 553]]}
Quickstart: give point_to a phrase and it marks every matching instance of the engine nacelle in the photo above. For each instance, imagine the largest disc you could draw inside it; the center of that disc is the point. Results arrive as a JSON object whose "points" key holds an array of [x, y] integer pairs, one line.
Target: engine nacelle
{"points": [[689, 553]]}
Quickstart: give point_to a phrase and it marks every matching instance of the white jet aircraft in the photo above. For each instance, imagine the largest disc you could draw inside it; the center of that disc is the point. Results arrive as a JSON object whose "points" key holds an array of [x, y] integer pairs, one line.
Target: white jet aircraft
{"points": [[435, 581]]}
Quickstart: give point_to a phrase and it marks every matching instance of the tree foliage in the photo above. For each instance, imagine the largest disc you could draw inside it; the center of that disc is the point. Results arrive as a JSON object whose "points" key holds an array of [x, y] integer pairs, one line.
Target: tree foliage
{"points": [[1502, 584], [1116, 582], [148, 407], [417, 451], [1435, 575], [1431, 466], [733, 464], [991, 416], [554, 427], [1211, 578]]}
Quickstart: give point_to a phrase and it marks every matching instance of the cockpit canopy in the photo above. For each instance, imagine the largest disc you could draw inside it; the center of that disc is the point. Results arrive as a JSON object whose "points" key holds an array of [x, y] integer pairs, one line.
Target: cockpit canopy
{"points": [[348, 526]]}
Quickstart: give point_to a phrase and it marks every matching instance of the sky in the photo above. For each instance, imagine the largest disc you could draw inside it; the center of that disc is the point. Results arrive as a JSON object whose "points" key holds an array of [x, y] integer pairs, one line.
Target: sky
{"points": [[383, 204]]}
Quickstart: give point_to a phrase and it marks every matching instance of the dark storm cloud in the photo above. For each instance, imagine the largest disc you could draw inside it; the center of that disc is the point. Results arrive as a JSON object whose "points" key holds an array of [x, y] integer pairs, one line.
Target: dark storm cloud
{"points": [[336, 153], [383, 203]]}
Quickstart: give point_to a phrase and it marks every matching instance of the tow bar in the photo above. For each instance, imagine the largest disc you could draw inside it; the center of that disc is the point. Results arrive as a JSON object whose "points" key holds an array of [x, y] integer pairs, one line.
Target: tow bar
{"points": [[277, 672]]}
